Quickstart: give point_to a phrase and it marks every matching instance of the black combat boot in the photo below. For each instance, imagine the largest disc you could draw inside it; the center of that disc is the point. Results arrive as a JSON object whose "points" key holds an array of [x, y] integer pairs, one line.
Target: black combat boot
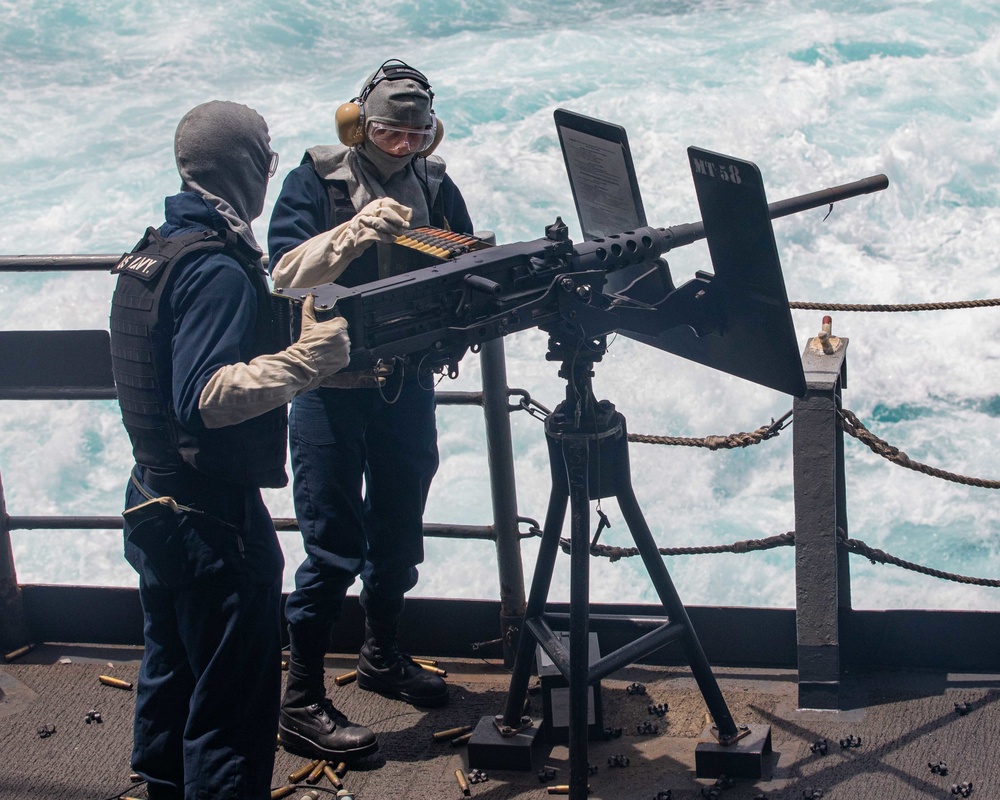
{"points": [[384, 669], [311, 725]]}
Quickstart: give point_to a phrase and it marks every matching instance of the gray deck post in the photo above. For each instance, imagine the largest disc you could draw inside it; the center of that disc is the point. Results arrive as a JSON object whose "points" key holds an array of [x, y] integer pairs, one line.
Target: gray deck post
{"points": [[13, 627], [500, 456], [822, 578]]}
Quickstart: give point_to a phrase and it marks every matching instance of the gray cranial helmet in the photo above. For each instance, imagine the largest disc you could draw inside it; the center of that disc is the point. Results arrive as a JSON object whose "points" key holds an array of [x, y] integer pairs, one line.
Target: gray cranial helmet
{"points": [[395, 94], [402, 102]]}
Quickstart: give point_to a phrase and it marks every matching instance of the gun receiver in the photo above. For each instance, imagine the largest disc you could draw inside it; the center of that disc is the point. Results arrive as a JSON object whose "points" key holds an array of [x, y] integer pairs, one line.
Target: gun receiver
{"points": [[433, 315]]}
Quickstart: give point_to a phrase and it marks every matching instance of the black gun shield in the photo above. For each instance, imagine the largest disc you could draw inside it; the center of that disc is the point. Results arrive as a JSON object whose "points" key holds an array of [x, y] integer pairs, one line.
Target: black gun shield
{"points": [[755, 339]]}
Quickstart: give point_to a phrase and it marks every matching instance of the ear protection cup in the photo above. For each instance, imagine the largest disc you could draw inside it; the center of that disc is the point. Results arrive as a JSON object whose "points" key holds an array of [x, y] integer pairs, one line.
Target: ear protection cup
{"points": [[350, 117]]}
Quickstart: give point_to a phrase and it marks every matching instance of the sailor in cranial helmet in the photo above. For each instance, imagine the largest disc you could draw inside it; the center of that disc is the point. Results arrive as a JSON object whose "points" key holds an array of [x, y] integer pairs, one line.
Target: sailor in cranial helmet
{"points": [[350, 433]]}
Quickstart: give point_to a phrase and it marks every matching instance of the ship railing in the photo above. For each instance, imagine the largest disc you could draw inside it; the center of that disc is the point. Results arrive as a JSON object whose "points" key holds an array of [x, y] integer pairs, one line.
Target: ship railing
{"points": [[76, 365], [821, 635]]}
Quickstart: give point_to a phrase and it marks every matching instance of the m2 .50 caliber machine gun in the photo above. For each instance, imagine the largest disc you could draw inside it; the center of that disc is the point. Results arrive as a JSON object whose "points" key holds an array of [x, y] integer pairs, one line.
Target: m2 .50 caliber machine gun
{"points": [[736, 319]]}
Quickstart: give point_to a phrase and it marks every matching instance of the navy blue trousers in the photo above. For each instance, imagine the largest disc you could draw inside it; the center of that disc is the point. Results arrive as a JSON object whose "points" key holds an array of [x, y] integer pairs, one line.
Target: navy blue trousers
{"points": [[362, 469], [206, 712]]}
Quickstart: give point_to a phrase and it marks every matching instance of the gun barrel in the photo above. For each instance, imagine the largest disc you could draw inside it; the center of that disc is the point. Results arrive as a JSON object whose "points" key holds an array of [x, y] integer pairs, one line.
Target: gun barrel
{"points": [[681, 235]]}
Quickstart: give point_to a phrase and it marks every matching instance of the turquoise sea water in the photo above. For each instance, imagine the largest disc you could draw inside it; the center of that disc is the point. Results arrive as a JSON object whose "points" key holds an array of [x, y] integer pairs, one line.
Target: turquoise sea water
{"points": [[816, 93]]}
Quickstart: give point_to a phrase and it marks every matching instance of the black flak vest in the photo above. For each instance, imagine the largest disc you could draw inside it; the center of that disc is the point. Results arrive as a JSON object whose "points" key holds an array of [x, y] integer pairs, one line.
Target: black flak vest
{"points": [[249, 453]]}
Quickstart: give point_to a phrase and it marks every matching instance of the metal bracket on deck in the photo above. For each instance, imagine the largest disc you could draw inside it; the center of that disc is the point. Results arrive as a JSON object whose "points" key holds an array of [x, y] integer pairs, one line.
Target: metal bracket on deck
{"points": [[746, 756], [490, 748], [511, 730]]}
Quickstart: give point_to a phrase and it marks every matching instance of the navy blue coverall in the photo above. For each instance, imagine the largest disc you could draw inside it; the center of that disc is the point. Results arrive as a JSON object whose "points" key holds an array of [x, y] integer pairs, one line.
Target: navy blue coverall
{"points": [[210, 681], [341, 437]]}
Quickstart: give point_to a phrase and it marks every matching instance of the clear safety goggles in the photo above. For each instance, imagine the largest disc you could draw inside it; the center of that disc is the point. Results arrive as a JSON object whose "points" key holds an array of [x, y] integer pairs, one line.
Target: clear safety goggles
{"points": [[398, 141], [272, 166]]}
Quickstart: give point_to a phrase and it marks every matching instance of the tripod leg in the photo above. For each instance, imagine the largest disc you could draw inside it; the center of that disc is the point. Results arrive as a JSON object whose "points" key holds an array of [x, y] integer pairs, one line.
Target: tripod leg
{"points": [[538, 594], [664, 586], [576, 456]]}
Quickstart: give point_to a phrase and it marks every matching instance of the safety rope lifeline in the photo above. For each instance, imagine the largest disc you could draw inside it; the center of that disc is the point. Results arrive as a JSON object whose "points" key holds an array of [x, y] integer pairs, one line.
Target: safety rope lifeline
{"points": [[873, 554], [881, 557], [852, 425], [613, 553], [730, 442], [905, 307]]}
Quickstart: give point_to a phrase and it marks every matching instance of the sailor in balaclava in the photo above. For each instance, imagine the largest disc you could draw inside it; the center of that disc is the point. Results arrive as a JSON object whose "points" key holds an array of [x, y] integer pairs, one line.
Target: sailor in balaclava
{"points": [[203, 379], [381, 178]]}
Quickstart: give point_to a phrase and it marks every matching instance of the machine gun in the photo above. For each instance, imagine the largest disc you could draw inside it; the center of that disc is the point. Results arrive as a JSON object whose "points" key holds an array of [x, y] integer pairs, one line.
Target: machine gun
{"points": [[736, 319]]}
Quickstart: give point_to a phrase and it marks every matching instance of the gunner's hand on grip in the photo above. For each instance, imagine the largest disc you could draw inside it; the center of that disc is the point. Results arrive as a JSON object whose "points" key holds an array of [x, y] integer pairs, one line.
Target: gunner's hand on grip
{"points": [[327, 342]]}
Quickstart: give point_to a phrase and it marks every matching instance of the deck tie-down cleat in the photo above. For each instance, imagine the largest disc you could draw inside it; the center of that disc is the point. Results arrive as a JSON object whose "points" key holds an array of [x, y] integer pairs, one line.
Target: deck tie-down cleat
{"points": [[819, 746]]}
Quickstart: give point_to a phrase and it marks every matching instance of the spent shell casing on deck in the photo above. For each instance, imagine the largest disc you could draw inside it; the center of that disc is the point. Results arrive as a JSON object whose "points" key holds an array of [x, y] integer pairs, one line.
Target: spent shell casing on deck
{"points": [[463, 783], [302, 772], [283, 791], [316, 773], [15, 654], [332, 776], [118, 683], [450, 733], [347, 677]]}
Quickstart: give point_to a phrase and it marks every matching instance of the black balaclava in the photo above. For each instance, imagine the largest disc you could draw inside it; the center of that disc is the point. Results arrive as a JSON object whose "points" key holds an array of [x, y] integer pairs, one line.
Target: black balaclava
{"points": [[223, 153]]}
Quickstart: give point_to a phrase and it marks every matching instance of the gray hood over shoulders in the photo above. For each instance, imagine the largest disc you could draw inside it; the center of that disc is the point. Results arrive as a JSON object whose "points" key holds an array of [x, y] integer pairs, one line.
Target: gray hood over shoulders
{"points": [[339, 163]]}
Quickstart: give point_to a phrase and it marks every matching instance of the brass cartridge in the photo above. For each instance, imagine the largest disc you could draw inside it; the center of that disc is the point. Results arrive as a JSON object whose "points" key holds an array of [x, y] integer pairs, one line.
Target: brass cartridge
{"points": [[283, 791], [15, 654], [332, 776], [463, 783], [461, 741], [317, 772], [347, 677], [451, 733], [302, 772], [118, 683]]}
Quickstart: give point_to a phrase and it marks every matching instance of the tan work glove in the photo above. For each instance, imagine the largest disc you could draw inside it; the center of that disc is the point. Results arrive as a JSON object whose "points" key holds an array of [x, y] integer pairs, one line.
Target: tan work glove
{"points": [[239, 392], [325, 256]]}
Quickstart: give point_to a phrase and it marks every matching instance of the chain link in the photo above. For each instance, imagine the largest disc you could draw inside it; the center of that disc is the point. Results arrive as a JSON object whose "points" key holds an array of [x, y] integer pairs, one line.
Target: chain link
{"points": [[527, 403]]}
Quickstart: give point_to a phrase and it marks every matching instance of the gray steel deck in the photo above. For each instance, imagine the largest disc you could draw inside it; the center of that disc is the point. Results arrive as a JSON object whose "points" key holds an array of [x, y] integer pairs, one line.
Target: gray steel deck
{"points": [[904, 720]]}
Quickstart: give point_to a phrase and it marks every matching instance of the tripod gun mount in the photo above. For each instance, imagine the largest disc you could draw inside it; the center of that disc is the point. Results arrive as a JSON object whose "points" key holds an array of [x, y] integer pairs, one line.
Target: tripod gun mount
{"points": [[736, 320]]}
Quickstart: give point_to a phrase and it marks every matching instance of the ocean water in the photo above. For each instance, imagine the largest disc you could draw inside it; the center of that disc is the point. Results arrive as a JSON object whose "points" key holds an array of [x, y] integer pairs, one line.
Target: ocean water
{"points": [[816, 92]]}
